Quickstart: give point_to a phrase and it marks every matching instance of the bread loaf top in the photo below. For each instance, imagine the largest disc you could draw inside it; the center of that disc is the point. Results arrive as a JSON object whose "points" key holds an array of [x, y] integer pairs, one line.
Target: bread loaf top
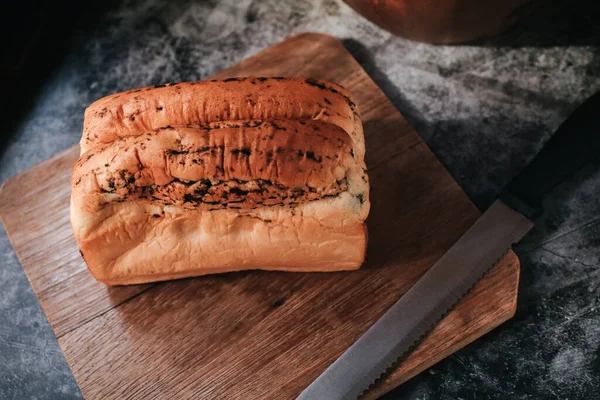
{"points": [[139, 111]]}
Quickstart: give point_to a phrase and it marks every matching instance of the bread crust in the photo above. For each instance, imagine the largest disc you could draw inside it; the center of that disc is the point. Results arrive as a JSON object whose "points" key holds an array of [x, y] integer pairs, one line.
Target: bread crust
{"points": [[128, 244], [291, 161], [197, 196], [236, 99]]}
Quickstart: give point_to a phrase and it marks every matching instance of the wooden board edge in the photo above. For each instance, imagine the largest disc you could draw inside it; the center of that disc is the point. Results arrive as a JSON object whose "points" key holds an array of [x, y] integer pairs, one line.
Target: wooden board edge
{"points": [[312, 36], [31, 285], [6, 185], [379, 391], [309, 34]]}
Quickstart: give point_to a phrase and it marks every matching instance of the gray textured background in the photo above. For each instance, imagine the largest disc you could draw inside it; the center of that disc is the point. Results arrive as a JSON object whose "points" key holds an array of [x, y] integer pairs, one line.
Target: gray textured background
{"points": [[484, 108]]}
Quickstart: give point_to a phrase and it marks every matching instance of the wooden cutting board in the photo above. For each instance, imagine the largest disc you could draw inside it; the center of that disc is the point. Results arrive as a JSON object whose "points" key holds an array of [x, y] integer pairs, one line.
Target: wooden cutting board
{"points": [[259, 335]]}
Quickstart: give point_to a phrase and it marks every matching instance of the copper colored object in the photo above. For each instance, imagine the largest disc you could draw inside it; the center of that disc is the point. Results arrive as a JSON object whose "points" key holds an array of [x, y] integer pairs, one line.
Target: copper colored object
{"points": [[441, 21]]}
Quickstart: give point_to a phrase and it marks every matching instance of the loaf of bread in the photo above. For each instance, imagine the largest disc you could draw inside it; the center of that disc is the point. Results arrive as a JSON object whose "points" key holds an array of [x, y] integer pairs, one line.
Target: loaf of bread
{"points": [[204, 177]]}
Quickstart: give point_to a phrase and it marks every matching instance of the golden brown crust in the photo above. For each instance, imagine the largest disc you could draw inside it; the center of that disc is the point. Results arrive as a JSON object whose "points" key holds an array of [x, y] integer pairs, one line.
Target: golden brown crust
{"points": [[236, 99], [180, 193], [253, 164]]}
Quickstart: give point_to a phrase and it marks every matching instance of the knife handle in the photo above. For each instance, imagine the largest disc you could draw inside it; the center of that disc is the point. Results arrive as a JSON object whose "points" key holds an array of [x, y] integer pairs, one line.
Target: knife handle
{"points": [[576, 141]]}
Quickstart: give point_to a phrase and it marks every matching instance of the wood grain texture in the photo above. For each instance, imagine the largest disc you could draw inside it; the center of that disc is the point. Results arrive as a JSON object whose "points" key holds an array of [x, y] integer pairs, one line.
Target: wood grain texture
{"points": [[259, 335]]}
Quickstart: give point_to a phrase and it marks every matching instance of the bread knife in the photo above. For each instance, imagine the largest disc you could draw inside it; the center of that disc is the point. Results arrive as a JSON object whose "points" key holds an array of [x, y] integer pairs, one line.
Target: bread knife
{"points": [[508, 219]]}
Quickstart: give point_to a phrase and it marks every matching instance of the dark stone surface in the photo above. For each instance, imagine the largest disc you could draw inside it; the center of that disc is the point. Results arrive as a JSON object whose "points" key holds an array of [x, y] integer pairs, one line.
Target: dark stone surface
{"points": [[484, 108]]}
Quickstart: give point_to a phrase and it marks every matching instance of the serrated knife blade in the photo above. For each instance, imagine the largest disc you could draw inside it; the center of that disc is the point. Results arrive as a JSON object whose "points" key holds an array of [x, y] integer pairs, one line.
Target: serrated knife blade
{"points": [[422, 306], [508, 219]]}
